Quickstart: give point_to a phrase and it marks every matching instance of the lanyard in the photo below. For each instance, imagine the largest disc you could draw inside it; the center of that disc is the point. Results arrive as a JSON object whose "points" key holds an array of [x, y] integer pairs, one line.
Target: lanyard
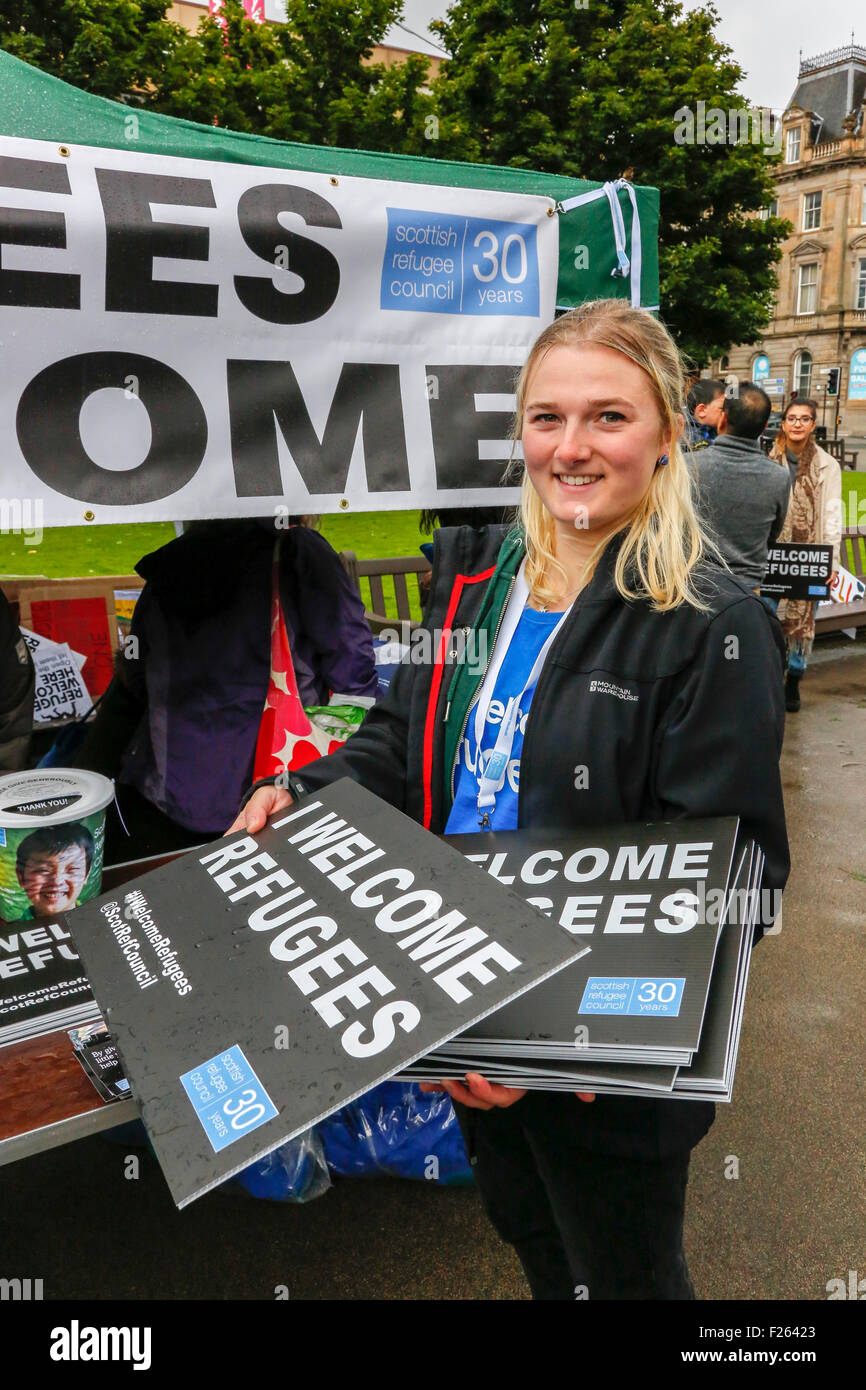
{"points": [[492, 779]]}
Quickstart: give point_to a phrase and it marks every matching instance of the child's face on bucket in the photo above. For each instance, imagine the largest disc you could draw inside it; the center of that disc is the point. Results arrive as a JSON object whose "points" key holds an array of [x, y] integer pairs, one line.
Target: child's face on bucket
{"points": [[592, 435], [52, 881]]}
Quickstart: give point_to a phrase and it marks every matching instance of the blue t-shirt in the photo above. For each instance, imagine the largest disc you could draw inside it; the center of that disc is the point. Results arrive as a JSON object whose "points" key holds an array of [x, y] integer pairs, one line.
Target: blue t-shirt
{"points": [[529, 637]]}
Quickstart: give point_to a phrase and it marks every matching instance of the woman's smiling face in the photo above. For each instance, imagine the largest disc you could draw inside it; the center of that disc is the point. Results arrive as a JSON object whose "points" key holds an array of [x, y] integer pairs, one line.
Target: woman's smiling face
{"points": [[592, 434]]}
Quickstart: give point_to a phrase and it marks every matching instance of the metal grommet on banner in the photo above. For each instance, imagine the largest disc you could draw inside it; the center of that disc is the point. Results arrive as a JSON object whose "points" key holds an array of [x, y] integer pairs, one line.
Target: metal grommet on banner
{"points": [[344, 502], [89, 516], [551, 212], [64, 150], [334, 181]]}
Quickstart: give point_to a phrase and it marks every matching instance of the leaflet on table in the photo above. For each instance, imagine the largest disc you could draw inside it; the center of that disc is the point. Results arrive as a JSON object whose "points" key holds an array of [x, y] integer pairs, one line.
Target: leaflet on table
{"points": [[60, 689], [97, 1053]]}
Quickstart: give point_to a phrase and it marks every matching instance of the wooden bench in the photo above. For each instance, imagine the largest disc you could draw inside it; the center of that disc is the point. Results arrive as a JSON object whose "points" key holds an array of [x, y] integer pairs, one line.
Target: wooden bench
{"points": [[374, 574], [836, 448], [839, 617]]}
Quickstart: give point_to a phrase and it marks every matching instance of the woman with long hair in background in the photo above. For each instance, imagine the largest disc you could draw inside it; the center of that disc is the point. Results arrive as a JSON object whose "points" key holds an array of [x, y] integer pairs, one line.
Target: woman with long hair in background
{"points": [[814, 518]]}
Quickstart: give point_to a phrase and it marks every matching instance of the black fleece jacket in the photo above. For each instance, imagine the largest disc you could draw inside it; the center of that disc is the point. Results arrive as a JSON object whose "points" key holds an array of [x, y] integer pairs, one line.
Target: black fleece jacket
{"points": [[673, 715]]}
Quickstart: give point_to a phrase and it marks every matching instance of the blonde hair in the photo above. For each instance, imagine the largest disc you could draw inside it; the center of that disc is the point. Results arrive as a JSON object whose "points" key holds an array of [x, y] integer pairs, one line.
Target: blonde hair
{"points": [[664, 541]]}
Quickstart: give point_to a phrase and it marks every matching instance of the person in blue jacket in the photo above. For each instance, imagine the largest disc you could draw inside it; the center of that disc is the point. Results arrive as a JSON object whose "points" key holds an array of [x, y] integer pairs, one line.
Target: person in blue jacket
{"points": [[705, 404], [628, 677]]}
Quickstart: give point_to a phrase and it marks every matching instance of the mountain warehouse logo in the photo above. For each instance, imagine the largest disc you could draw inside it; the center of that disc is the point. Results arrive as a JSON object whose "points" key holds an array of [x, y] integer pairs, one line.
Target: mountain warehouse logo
{"points": [[608, 688], [77, 1343]]}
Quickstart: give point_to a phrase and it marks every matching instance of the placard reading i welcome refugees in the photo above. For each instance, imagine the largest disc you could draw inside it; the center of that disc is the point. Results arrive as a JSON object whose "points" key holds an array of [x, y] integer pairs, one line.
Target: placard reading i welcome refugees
{"points": [[258, 985]]}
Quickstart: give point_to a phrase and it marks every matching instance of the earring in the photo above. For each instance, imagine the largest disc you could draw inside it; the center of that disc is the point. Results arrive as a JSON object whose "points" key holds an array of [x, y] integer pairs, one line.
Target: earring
{"points": [[662, 460]]}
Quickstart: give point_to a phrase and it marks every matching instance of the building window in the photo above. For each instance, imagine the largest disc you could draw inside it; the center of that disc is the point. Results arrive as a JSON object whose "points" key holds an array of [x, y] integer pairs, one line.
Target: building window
{"points": [[772, 210], [811, 212], [807, 294], [792, 146], [861, 284], [760, 368], [863, 208], [803, 374]]}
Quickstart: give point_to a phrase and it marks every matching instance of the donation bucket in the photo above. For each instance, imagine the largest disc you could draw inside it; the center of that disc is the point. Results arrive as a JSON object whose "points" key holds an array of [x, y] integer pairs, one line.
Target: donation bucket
{"points": [[52, 835]]}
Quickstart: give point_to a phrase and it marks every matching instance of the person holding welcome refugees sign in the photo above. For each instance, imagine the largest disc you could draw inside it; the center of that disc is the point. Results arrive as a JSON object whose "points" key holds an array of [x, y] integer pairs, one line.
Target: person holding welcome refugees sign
{"points": [[627, 678]]}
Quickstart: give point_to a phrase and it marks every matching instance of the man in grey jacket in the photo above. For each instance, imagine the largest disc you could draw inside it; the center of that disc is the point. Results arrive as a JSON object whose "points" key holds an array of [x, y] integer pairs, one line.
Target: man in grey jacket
{"points": [[742, 494]]}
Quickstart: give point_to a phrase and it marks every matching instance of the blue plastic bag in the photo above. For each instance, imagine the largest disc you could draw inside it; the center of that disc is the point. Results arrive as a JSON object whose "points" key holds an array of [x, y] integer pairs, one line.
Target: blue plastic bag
{"points": [[399, 1130], [295, 1172]]}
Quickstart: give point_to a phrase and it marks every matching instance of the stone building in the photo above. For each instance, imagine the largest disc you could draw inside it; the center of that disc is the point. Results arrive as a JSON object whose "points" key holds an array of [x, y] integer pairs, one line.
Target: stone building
{"points": [[189, 12], [820, 315]]}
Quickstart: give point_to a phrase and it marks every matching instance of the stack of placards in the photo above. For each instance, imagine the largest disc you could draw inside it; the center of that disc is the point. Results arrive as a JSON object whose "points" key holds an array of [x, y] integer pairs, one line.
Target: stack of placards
{"points": [[666, 913], [42, 984], [258, 984]]}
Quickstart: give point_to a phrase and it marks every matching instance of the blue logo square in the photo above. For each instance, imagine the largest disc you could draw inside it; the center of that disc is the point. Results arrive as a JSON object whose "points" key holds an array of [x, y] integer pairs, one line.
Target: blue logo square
{"points": [[228, 1097], [630, 996], [441, 263]]}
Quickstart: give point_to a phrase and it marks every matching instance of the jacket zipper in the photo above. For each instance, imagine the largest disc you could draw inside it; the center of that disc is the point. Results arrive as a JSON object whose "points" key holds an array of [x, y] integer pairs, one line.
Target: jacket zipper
{"points": [[481, 682], [560, 636]]}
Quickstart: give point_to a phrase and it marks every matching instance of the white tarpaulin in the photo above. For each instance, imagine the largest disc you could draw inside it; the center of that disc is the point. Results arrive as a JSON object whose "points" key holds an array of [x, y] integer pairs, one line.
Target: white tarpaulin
{"points": [[184, 338]]}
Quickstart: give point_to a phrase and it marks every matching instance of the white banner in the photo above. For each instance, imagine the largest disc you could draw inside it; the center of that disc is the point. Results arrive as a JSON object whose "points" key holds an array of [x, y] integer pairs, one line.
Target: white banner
{"points": [[186, 338]]}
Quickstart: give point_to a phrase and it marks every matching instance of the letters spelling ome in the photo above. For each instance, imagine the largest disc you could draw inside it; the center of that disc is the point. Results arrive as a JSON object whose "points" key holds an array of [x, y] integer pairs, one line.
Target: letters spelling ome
{"points": [[445, 946], [260, 262]]}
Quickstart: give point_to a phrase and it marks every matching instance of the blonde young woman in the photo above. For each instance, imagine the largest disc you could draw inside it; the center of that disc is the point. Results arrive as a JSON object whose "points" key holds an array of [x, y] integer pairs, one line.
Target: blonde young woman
{"points": [[814, 518], [646, 686]]}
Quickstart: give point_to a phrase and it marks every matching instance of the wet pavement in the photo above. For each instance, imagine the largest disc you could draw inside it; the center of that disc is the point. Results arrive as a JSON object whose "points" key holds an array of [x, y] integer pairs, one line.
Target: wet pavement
{"points": [[777, 1199]]}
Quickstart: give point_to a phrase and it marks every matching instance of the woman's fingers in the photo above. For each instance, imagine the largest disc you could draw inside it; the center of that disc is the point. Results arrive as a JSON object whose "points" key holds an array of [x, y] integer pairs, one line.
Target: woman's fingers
{"points": [[263, 803], [585, 1095], [457, 1091], [491, 1091], [480, 1094]]}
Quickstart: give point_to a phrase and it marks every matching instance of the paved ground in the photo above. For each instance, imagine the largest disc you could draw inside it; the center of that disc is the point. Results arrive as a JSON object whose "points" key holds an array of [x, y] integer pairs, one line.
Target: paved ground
{"points": [[793, 1219]]}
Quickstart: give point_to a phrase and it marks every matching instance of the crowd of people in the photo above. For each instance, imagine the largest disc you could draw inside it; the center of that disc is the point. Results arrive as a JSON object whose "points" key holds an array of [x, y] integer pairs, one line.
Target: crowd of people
{"points": [[639, 549]]}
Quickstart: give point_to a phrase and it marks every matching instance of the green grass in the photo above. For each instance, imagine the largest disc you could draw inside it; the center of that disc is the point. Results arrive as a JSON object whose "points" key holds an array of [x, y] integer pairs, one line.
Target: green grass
{"points": [[374, 535], [66, 551], [854, 499], [83, 550]]}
